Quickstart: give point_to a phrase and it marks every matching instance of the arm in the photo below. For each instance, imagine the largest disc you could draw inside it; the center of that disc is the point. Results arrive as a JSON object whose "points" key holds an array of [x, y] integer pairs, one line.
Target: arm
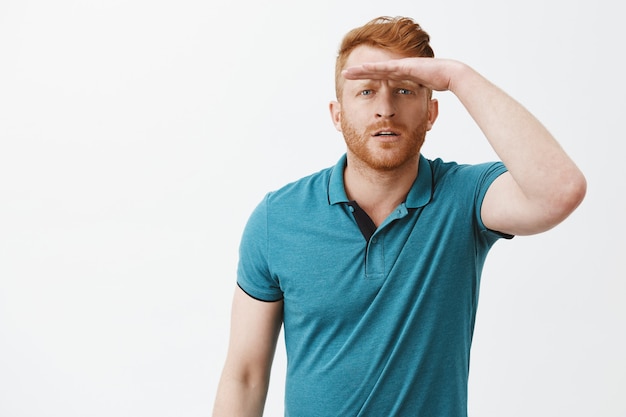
{"points": [[542, 185], [255, 326]]}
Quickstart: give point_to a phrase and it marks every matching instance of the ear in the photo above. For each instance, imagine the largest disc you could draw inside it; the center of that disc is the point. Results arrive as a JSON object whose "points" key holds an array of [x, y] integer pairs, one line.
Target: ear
{"points": [[335, 114], [433, 112]]}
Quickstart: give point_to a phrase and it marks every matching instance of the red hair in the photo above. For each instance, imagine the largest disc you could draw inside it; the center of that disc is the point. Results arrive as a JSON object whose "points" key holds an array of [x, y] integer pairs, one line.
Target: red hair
{"points": [[397, 34]]}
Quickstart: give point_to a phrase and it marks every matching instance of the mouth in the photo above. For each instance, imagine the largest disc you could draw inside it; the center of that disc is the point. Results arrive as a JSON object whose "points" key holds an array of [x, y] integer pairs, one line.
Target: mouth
{"points": [[386, 133]]}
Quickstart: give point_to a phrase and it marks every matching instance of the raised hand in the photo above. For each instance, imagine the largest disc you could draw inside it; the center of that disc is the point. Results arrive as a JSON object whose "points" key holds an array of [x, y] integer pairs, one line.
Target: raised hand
{"points": [[433, 73]]}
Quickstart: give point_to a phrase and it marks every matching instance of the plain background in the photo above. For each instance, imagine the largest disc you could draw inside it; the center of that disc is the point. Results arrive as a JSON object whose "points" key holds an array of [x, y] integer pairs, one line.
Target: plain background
{"points": [[137, 136]]}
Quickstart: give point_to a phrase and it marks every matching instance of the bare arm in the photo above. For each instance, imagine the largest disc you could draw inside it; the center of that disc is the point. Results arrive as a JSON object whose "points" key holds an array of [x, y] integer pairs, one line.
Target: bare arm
{"points": [[542, 185], [255, 326]]}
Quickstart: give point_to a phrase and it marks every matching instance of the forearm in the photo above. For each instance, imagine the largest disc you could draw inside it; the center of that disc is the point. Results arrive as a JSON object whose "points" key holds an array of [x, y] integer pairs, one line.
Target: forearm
{"points": [[537, 163], [255, 326], [238, 398]]}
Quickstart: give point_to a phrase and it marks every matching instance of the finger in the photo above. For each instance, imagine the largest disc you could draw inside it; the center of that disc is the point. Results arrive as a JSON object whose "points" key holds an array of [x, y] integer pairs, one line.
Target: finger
{"points": [[371, 71]]}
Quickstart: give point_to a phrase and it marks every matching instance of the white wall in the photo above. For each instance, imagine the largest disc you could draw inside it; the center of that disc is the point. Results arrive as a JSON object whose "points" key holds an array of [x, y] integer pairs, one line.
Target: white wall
{"points": [[137, 136]]}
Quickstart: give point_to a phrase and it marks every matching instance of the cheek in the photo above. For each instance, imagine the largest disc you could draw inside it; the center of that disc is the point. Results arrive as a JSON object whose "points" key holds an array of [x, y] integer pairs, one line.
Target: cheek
{"points": [[347, 123], [352, 115]]}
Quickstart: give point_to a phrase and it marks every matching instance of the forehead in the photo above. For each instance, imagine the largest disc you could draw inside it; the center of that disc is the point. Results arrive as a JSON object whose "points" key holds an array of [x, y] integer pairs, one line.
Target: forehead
{"points": [[364, 53]]}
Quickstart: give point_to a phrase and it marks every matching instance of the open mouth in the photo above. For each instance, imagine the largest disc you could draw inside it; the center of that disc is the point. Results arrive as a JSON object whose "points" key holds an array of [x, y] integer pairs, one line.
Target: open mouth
{"points": [[385, 133]]}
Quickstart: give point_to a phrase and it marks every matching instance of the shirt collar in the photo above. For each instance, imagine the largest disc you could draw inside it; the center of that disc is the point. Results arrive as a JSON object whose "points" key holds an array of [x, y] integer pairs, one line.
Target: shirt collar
{"points": [[419, 195]]}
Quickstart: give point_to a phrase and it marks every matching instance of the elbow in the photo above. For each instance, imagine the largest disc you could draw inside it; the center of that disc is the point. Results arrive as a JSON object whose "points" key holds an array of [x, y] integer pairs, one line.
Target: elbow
{"points": [[574, 191], [569, 195], [580, 189]]}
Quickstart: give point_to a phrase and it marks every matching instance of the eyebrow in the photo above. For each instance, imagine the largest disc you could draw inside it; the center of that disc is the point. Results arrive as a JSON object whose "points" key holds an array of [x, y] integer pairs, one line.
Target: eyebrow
{"points": [[404, 83], [366, 82]]}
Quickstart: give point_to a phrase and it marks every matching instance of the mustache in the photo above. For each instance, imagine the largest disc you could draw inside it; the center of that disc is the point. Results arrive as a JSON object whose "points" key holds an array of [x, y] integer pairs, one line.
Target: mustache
{"points": [[386, 125]]}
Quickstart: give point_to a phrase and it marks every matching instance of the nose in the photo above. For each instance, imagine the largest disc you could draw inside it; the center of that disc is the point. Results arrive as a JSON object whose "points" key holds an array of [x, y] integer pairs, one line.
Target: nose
{"points": [[385, 107], [385, 114]]}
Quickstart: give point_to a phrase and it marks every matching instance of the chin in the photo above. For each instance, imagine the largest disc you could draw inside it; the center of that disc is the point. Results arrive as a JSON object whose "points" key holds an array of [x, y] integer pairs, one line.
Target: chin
{"points": [[389, 162]]}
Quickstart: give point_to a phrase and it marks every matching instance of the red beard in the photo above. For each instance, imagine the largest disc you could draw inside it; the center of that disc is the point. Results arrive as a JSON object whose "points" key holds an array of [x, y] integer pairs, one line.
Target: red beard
{"points": [[380, 155]]}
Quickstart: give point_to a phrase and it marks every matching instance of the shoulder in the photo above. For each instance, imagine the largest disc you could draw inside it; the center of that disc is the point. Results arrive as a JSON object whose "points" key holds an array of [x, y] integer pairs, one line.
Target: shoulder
{"points": [[465, 175], [313, 186]]}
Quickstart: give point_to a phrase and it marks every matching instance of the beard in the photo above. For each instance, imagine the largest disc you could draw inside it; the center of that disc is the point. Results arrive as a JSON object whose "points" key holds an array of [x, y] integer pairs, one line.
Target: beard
{"points": [[384, 156]]}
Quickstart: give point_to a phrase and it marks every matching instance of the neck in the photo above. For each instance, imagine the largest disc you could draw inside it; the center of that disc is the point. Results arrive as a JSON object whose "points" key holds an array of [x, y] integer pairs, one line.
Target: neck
{"points": [[378, 192]]}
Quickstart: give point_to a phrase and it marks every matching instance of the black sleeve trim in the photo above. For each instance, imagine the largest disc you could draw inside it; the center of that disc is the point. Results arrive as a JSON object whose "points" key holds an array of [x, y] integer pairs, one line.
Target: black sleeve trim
{"points": [[259, 299], [502, 235]]}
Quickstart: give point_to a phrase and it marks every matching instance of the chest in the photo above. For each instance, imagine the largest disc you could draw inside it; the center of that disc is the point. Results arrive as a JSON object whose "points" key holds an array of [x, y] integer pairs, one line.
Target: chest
{"points": [[332, 276]]}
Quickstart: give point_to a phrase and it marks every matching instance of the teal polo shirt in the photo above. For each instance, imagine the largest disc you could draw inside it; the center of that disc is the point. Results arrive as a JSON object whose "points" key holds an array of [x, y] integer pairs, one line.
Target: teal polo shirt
{"points": [[376, 325]]}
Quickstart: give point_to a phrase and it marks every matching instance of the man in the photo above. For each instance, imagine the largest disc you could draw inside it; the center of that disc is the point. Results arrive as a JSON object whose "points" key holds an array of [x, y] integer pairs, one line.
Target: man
{"points": [[373, 266]]}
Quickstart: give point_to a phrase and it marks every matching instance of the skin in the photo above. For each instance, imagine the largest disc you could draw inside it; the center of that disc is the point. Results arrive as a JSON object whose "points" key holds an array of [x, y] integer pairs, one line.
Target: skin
{"points": [[543, 185], [255, 326], [386, 92], [381, 168]]}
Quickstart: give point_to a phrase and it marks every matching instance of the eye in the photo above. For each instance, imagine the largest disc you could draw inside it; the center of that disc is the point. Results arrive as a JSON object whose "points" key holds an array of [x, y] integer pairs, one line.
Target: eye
{"points": [[404, 91], [366, 93]]}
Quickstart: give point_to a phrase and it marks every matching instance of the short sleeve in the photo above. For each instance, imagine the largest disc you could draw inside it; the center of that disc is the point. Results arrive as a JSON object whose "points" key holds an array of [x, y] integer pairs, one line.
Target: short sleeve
{"points": [[253, 271], [490, 171]]}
